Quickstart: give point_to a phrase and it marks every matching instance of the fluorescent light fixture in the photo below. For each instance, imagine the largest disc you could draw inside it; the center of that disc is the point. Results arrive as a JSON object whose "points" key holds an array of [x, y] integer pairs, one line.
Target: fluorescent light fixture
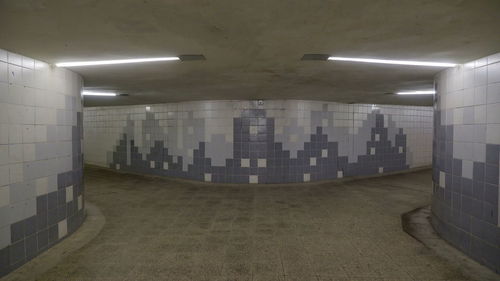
{"points": [[400, 62], [425, 92], [102, 94], [108, 62]]}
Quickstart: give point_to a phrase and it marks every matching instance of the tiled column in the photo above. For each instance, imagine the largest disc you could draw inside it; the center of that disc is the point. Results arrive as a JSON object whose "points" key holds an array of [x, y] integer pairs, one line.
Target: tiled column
{"points": [[466, 159], [41, 191]]}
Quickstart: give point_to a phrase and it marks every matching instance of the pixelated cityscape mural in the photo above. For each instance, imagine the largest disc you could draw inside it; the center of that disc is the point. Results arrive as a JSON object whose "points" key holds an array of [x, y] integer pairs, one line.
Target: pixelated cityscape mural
{"points": [[255, 150]]}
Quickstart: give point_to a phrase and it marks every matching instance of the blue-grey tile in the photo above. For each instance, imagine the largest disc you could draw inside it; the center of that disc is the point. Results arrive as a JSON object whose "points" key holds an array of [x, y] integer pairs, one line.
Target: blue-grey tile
{"points": [[17, 231], [492, 154], [17, 252]]}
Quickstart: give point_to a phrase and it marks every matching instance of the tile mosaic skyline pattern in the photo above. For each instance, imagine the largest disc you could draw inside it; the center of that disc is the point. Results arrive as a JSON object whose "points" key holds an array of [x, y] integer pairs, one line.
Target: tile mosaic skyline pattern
{"points": [[247, 142], [41, 129], [466, 147]]}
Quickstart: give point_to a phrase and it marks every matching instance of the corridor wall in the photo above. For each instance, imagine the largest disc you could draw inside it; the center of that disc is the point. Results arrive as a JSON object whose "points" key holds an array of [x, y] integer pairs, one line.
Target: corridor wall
{"points": [[271, 141]]}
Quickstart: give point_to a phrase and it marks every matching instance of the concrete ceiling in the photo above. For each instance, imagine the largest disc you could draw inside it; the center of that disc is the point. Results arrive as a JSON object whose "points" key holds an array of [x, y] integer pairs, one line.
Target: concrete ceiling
{"points": [[253, 47]]}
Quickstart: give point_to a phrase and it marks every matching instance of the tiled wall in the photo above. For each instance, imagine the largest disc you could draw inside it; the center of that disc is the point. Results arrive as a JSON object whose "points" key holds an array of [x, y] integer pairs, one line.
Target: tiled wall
{"points": [[466, 159], [40, 157], [274, 141]]}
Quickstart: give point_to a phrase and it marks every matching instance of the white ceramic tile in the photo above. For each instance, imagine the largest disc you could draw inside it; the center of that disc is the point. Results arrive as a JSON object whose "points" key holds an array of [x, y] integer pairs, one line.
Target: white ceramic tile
{"points": [[307, 177], [3, 72], [4, 175], [28, 152], [253, 130], [253, 179], [15, 153], [62, 227], [493, 113], [3, 56], [493, 93], [312, 161], [15, 74], [245, 163], [4, 196], [16, 173], [480, 76], [69, 193], [493, 133], [324, 123], [4, 134], [40, 133], [42, 186], [15, 59], [480, 114], [494, 73], [28, 134], [15, 134], [4, 154], [442, 179], [208, 177]]}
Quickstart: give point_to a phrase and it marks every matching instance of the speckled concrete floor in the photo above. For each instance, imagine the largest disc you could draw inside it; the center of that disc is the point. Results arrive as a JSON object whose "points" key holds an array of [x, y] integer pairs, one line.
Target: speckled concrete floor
{"points": [[163, 229]]}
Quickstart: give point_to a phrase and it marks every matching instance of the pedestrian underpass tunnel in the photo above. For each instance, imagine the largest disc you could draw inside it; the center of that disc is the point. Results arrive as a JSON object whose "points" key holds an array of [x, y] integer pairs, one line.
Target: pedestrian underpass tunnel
{"points": [[249, 141]]}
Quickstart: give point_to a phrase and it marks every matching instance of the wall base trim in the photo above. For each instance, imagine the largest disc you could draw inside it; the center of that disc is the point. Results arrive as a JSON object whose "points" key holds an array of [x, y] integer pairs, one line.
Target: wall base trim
{"points": [[346, 179]]}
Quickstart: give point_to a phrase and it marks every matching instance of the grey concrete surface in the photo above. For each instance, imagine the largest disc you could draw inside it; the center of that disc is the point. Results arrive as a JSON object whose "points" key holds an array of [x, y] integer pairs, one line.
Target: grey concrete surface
{"points": [[417, 223], [168, 229], [253, 48]]}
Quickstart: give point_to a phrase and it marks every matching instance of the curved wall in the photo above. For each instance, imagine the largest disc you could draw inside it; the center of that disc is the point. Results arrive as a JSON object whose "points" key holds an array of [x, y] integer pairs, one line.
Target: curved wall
{"points": [[274, 141], [41, 188], [465, 207]]}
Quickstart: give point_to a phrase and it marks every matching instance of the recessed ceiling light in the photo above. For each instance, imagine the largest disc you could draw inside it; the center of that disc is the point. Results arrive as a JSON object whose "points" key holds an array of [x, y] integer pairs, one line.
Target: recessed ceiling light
{"points": [[400, 62], [424, 92], [108, 62], [104, 94]]}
